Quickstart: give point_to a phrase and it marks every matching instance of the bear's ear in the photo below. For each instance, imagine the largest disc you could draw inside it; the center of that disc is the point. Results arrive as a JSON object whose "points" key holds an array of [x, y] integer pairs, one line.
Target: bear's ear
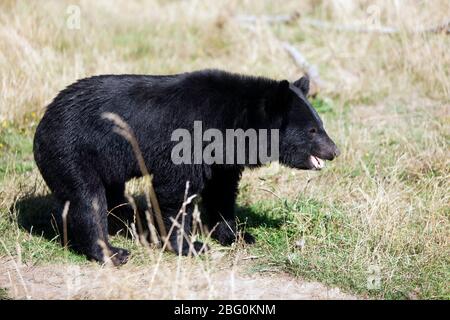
{"points": [[283, 92], [303, 84], [279, 98]]}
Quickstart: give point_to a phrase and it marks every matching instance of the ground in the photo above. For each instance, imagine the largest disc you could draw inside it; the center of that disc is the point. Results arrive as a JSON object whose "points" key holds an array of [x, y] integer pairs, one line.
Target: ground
{"points": [[194, 281], [374, 223]]}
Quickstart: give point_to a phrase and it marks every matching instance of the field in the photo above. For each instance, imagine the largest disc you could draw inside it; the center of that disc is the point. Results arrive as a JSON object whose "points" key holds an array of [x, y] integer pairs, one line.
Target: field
{"points": [[374, 223]]}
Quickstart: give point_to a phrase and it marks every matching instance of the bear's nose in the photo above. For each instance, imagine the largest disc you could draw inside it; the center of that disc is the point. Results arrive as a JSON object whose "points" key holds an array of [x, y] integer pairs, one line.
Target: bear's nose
{"points": [[336, 152]]}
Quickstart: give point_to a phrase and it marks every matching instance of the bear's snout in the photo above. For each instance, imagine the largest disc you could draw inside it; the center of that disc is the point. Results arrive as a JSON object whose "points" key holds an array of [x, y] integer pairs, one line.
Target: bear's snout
{"points": [[336, 152], [326, 149]]}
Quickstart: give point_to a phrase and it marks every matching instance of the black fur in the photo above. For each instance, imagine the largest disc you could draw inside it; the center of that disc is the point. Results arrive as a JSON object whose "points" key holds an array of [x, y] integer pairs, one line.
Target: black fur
{"points": [[83, 161]]}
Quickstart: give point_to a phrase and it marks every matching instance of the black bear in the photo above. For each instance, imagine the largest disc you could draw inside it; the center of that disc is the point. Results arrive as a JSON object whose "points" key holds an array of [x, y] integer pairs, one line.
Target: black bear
{"points": [[85, 162]]}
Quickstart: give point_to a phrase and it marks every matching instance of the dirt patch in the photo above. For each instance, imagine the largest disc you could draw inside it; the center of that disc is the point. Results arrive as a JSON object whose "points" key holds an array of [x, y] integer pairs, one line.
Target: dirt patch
{"points": [[173, 280]]}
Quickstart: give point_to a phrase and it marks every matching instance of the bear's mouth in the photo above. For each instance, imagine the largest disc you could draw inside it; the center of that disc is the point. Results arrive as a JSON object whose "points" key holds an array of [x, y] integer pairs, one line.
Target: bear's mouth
{"points": [[316, 162]]}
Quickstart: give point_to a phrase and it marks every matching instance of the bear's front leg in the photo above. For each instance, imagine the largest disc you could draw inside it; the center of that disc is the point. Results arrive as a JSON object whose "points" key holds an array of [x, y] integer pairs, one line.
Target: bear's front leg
{"points": [[178, 218], [178, 224], [219, 199]]}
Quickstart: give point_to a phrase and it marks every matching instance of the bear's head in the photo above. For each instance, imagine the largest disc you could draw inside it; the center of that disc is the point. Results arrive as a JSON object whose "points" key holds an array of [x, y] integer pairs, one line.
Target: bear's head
{"points": [[304, 143]]}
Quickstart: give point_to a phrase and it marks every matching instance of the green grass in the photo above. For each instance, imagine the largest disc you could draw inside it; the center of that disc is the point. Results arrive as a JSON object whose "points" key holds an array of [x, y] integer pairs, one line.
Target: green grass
{"points": [[4, 294], [317, 241], [15, 149], [323, 105]]}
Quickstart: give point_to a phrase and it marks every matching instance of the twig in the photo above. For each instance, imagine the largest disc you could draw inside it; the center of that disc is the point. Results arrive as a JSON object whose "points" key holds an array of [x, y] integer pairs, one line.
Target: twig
{"points": [[271, 192], [122, 128], [64, 219], [251, 258]]}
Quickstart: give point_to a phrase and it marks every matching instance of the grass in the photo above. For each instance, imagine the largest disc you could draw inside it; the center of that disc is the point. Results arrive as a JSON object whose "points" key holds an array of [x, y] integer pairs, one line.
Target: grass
{"points": [[320, 242], [383, 205], [3, 294]]}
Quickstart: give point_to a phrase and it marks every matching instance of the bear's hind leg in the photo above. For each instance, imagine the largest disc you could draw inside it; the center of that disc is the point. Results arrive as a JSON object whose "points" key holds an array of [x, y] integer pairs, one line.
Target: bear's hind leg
{"points": [[86, 222]]}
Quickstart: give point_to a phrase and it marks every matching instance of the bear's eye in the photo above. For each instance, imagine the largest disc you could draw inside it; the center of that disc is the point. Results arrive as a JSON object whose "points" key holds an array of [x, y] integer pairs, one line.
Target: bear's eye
{"points": [[312, 130]]}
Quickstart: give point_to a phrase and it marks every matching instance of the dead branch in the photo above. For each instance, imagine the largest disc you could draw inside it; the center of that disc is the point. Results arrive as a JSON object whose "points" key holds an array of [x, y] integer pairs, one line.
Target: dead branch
{"points": [[309, 69], [349, 28], [320, 24], [444, 27], [283, 18]]}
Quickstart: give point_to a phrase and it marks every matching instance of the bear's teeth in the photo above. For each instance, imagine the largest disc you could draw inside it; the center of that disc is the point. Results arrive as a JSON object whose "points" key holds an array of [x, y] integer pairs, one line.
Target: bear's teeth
{"points": [[317, 162], [320, 162], [314, 161]]}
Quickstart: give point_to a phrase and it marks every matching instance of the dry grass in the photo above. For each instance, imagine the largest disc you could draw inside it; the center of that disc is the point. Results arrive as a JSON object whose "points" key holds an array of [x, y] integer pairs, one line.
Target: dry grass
{"points": [[385, 101], [40, 54]]}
